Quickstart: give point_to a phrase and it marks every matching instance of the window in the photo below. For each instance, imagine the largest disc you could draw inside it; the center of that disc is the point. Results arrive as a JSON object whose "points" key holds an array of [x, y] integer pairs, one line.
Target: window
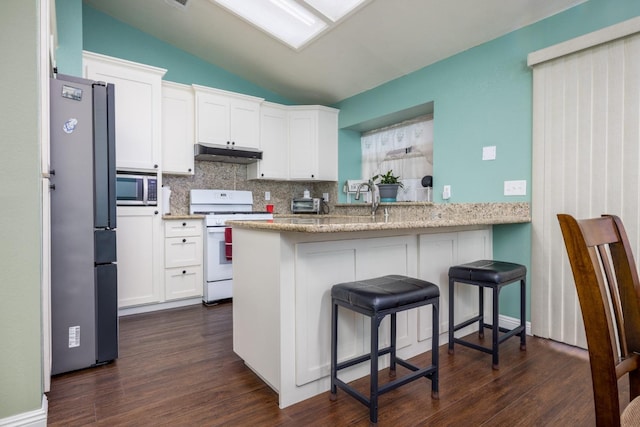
{"points": [[406, 148]]}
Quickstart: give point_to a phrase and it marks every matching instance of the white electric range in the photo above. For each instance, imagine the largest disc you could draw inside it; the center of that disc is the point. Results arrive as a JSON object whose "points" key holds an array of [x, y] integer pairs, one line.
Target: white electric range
{"points": [[220, 206]]}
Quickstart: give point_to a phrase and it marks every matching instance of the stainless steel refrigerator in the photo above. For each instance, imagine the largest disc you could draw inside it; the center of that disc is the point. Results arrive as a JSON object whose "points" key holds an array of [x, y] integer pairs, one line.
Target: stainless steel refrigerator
{"points": [[84, 288]]}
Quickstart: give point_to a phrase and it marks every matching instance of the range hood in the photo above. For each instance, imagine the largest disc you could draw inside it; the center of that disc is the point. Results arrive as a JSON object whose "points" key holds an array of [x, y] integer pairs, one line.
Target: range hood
{"points": [[223, 153]]}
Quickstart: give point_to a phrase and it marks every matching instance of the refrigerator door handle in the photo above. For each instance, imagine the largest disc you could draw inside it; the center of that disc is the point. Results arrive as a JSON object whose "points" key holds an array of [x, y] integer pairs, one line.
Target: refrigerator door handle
{"points": [[111, 153]]}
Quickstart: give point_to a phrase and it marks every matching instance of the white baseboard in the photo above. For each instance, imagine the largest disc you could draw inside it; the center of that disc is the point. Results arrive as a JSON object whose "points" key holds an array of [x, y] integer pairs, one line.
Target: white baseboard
{"points": [[160, 306], [512, 322], [37, 418]]}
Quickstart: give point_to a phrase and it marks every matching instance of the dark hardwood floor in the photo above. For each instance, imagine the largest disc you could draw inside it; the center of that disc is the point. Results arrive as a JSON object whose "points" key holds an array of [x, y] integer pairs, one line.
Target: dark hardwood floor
{"points": [[177, 368]]}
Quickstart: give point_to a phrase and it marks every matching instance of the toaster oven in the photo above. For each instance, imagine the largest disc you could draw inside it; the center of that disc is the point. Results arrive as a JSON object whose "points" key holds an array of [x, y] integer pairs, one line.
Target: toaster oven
{"points": [[311, 205]]}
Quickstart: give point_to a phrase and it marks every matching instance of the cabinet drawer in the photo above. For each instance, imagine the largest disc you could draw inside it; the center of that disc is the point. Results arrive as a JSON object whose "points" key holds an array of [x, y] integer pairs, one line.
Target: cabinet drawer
{"points": [[182, 251], [183, 282], [185, 227]]}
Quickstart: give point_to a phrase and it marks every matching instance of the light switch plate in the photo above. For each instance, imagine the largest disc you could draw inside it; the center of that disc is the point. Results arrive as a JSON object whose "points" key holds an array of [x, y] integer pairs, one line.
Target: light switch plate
{"points": [[515, 188], [489, 153]]}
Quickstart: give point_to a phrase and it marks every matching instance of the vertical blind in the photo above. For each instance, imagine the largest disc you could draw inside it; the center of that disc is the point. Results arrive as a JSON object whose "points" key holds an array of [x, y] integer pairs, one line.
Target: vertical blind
{"points": [[586, 152]]}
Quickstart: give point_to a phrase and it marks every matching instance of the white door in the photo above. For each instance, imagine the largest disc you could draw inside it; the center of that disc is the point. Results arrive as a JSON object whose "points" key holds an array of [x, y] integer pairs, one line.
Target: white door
{"points": [[586, 150]]}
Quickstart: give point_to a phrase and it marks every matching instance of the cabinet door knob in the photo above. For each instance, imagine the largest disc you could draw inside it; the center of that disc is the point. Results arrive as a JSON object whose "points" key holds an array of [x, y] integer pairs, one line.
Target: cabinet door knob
{"points": [[189, 170], [184, 271], [184, 240], [184, 224], [155, 166], [156, 213]]}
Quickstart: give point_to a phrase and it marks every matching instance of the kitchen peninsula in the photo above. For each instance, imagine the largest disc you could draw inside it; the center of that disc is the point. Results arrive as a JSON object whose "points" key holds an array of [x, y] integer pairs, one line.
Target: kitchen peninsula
{"points": [[284, 270]]}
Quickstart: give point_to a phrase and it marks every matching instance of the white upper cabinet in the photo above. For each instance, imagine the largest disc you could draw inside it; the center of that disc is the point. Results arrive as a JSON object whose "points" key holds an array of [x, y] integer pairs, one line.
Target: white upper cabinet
{"points": [[273, 143], [313, 143], [138, 91], [178, 128], [227, 118]]}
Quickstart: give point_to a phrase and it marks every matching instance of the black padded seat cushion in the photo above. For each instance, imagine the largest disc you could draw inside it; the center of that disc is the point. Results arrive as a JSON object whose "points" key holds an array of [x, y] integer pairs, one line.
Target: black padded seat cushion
{"points": [[385, 292], [488, 271]]}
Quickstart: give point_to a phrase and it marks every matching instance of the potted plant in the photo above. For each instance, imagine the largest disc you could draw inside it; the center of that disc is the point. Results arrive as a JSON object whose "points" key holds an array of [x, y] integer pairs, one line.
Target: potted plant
{"points": [[388, 185]]}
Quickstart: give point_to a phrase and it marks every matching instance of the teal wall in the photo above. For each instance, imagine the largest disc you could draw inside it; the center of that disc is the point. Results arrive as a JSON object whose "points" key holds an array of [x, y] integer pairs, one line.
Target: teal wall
{"points": [[21, 388], [69, 29], [482, 96]]}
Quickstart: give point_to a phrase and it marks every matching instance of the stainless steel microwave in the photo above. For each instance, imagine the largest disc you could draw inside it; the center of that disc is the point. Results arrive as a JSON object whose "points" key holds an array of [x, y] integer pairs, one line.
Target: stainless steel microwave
{"points": [[136, 190]]}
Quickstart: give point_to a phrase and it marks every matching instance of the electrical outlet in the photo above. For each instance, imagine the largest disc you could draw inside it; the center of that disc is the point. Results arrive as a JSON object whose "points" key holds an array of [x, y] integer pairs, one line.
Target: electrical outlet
{"points": [[325, 196], [515, 188], [353, 184], [267, 195], [446, 192]]}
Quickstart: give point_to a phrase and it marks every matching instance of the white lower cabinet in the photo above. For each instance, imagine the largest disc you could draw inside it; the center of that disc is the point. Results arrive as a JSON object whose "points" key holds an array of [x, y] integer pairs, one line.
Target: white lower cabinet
{"points": [[438, 252], [319, 266], [183, 257], [140, 266]]}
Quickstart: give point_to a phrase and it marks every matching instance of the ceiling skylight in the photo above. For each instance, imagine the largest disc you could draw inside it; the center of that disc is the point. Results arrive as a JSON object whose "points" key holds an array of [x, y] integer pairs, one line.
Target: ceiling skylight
{"points": [[334, 9], [294, 22]]}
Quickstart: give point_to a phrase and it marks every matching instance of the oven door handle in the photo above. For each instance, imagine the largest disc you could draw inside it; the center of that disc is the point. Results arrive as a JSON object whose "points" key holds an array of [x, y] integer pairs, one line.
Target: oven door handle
{"points": [[228, 249]]}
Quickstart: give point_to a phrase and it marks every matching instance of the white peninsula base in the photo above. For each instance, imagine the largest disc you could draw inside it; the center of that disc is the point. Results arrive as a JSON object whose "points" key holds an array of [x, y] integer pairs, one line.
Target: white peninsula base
{"points": [[282, 302]]}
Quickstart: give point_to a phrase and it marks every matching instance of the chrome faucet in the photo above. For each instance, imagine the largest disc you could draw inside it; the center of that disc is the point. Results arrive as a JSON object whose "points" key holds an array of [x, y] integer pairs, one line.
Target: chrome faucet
{"points": [[375, 197]]}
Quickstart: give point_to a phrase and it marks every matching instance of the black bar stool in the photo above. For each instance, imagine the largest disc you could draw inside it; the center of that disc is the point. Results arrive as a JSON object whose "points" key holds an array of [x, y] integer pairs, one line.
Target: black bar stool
{"points": [[377, 298], [493, 275]]}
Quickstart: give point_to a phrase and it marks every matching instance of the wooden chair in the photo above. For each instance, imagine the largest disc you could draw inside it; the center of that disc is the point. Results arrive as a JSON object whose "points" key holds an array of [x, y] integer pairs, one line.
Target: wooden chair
{"points": [[608, 289]]}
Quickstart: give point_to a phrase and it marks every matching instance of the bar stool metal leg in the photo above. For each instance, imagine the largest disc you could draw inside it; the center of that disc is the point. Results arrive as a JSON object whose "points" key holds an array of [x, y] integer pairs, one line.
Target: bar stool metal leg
{"points": [[373, 379], [523, 334], [392, 348], [334, 348], [435, 345], [451, 324], [481, 312], [495, 327]]}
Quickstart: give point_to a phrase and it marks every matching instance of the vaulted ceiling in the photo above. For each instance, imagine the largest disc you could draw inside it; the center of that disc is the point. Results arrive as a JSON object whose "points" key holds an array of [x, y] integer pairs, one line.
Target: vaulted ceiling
{"points": [[381, 41]]}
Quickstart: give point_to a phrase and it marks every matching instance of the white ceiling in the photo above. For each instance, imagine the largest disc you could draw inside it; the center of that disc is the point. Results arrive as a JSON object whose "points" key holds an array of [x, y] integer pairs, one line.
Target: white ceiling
{"points": [[381, 41]]}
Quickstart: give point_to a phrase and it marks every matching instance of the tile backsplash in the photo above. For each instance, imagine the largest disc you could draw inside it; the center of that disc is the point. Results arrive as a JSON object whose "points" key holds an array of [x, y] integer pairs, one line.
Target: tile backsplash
{"points": [[233, 176]]}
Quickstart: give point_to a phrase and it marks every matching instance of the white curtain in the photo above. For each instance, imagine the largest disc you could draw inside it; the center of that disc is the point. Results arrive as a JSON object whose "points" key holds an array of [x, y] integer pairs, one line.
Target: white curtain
{"points": [[406, 148]]}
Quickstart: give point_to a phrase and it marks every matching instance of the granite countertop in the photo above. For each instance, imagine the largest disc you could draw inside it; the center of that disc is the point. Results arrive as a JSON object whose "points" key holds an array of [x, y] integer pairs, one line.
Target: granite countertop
{"points": [[451, 216]]}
